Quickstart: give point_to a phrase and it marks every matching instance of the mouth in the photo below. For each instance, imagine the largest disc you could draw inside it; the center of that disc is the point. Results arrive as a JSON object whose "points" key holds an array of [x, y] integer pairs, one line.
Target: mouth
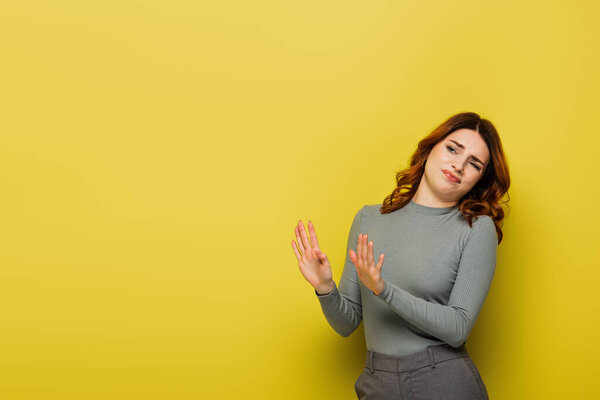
{"points": [[451, 177]]}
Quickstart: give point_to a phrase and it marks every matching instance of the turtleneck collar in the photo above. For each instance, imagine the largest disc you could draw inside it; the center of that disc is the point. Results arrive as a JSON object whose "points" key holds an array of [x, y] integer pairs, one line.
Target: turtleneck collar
{"points": [[425, 210]]}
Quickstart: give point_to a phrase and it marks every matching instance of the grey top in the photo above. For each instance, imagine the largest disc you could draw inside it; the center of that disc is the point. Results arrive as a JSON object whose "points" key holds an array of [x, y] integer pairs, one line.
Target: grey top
{"points": [[437, 273]]}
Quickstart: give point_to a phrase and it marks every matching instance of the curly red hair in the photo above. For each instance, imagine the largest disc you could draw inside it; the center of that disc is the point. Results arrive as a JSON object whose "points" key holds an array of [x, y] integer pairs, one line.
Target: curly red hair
{"points": [[485, 198]]}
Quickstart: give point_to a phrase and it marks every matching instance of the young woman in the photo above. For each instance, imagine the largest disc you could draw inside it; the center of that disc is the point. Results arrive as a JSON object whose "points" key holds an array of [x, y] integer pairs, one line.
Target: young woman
{"points": [[422, 268]]}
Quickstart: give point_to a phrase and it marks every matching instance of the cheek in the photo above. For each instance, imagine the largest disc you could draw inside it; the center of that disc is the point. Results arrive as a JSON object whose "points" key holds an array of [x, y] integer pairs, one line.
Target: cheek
{"points": [[440, 159], [472, 179], [446, 158]]}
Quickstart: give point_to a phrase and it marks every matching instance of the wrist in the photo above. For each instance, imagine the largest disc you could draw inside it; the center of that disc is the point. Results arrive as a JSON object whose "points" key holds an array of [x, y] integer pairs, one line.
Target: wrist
{"points": [[325, 288], [379, 289]]}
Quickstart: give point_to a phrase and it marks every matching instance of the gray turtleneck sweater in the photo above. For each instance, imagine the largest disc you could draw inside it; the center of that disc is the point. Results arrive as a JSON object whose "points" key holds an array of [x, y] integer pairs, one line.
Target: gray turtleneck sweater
{"points": [[437, 273]]}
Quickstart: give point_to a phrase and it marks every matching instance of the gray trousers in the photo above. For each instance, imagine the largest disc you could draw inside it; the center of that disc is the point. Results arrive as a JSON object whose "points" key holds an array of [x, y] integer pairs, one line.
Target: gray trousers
{"points": [[440, 372]]}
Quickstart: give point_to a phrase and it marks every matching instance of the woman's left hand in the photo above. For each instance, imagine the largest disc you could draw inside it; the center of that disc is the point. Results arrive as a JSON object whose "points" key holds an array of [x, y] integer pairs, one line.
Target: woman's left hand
{"points": [[368, 272]]}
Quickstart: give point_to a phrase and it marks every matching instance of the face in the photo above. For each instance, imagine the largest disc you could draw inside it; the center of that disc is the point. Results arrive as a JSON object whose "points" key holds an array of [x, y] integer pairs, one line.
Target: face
{"points": [[462, 154]]}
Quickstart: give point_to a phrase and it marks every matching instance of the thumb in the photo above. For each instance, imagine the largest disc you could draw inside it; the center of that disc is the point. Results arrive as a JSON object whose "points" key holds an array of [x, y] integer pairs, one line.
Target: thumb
{"points": [[320, 254]]}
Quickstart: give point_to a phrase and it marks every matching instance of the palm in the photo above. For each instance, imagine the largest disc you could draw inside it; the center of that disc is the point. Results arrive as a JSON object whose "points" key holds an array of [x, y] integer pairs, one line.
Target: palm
{"points": [[315, 271], [364, 261], [312, 262]]}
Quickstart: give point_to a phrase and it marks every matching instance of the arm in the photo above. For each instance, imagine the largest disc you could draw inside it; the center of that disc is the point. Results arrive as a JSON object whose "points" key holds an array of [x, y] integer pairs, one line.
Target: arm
{"points": [[343, 308], [452, 323]]}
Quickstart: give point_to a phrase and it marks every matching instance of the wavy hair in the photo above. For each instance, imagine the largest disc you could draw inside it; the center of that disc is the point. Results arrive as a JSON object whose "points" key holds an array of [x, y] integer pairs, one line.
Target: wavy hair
{"points": [[485, 198]]}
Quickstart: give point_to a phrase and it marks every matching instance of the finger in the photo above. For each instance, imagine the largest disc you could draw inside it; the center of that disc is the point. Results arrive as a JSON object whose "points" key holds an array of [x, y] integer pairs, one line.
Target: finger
{"points": [[356, 262], [370, 260], [313, 235], [359, 249], [298, 240], [380, 263], [304, 237], [353, 257], [298, 256], [363, 249], [322, 255]]}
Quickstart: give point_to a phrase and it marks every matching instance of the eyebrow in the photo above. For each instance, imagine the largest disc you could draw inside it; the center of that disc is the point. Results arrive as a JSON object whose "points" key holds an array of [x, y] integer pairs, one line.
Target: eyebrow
{"points": [[462, 147]]}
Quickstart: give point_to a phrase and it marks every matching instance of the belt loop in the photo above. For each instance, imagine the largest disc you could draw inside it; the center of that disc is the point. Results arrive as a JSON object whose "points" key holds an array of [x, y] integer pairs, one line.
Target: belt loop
{"points": [[431, 359], [371, 362]]}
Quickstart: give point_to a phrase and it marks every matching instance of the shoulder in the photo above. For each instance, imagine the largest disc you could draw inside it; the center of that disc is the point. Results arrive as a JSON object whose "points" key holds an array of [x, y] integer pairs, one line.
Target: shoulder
{"points": [[484, 229], [365, 212], [371, 208], [483, 222], [369, 211]]}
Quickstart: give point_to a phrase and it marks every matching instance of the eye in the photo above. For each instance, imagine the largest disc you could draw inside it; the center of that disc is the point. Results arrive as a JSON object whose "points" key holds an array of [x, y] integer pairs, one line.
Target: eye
{"points": [[453, 150]]}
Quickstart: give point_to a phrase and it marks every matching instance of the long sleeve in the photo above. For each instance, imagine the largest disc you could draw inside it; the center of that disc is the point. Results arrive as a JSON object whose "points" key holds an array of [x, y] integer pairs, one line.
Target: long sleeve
{"points": [[453, 322], [343, 308]]}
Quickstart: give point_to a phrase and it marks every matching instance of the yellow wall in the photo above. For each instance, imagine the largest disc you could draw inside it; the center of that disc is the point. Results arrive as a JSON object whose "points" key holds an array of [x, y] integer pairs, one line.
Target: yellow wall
{"points": [[156, 155]]}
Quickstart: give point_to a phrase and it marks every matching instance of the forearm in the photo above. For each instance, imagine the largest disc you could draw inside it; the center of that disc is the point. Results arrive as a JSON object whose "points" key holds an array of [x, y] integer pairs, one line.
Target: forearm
{"points": [[448, 323], [343, 308], [452, 322], [341, 313]]}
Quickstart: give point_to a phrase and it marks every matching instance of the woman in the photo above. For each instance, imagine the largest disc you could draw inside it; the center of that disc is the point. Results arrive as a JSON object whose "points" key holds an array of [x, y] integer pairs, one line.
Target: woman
{"points": [[419, 283]]}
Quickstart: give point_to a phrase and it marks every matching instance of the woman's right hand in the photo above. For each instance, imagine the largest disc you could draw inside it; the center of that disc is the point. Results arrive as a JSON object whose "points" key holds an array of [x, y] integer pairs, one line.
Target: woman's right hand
{"points": [[313, 263]]}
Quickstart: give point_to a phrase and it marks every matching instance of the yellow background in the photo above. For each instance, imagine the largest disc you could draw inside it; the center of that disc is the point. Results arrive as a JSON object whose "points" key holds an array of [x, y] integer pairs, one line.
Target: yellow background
{"points": [[156, 155]]}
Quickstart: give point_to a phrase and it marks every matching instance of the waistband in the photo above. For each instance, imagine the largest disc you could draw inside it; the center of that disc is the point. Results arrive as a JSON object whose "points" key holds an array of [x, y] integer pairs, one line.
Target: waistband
{"points": [[409, 362]]}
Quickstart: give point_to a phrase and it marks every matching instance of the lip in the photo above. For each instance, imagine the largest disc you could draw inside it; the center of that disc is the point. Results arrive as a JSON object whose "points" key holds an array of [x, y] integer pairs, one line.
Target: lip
{"points": [[451, 176]]}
